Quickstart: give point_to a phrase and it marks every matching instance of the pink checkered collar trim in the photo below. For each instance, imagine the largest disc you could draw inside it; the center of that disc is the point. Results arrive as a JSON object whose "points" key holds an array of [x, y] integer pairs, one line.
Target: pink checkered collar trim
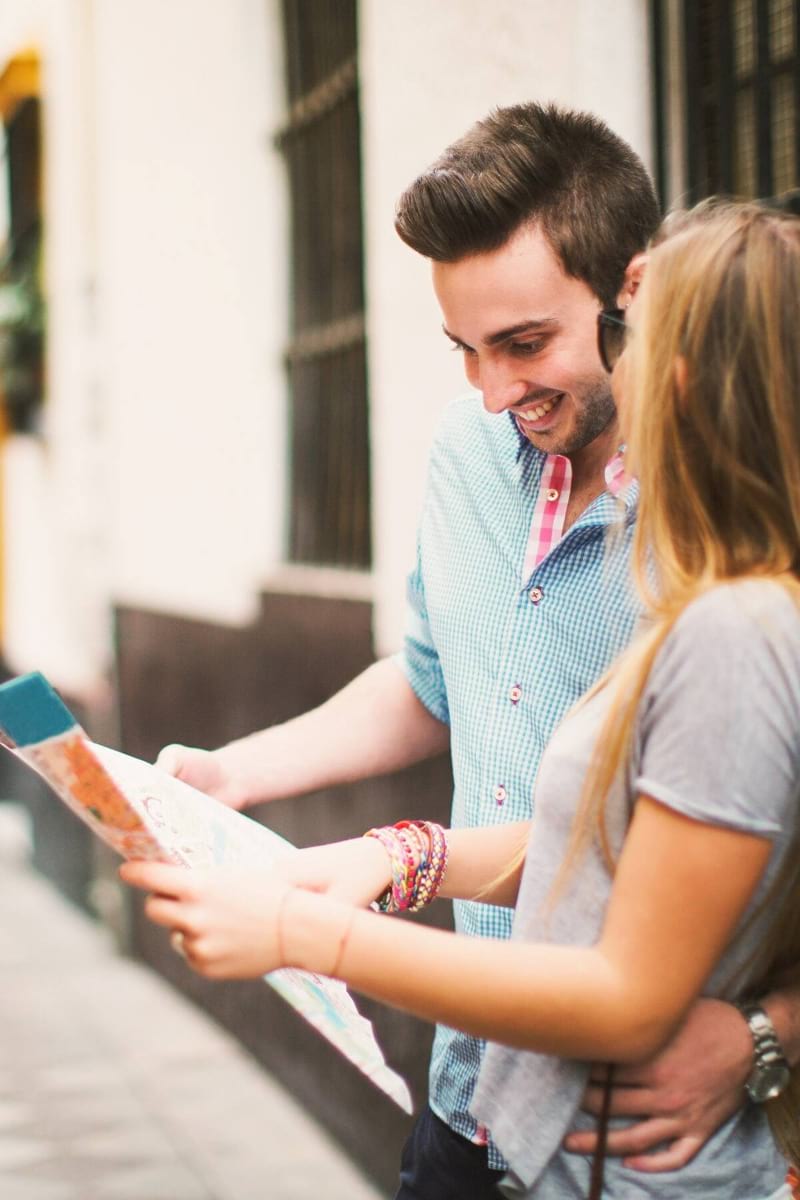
{"points": [[616, 477]]}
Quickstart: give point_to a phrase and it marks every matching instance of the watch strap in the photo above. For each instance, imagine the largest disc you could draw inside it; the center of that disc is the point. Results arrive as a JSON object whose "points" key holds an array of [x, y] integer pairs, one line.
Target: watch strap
{"points": [[767, 1049]]}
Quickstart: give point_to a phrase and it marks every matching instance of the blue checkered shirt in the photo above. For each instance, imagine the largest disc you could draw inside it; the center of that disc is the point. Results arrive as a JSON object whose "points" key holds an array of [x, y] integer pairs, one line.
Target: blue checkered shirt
{"points": [[500, 658]]}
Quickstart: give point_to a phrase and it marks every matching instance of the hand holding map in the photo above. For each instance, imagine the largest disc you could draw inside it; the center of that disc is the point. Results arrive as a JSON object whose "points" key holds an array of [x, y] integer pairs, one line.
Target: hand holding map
{"points": [[144, 813]]}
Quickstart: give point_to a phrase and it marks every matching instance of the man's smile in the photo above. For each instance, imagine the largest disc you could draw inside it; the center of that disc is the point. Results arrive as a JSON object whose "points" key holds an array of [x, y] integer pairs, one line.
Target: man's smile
{"points": [[537, 416]]}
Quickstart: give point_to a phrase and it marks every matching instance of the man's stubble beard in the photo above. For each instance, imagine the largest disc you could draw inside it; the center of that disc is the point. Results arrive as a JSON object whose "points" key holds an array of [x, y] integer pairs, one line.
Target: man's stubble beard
{"points": [[596, 413]]}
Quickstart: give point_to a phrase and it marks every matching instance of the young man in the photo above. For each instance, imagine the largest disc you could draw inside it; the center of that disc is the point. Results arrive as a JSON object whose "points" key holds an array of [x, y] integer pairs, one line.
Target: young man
{"points": [[534, 222]]}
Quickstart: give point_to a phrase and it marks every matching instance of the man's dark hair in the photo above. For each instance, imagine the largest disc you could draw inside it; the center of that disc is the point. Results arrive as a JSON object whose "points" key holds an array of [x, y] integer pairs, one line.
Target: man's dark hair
{"points": [[536, 163], [787, 202]]}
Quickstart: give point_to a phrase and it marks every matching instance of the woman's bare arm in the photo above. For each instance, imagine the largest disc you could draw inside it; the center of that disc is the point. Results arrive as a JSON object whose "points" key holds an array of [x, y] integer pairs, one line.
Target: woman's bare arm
{"points": [[680, 888], [679, 891]]}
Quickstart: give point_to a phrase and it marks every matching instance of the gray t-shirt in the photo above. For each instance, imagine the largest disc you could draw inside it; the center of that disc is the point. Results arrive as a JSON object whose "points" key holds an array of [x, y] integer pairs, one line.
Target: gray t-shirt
{"points": [[718, 739]]}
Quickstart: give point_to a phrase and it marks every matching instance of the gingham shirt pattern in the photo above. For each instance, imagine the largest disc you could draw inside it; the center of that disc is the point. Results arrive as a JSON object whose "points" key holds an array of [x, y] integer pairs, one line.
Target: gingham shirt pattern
{"points": [[501, 654], [550, 512]]}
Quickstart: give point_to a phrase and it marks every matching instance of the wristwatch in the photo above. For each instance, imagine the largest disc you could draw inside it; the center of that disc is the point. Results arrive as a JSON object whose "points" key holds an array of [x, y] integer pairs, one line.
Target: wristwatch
{"points": [[770, 1073]]}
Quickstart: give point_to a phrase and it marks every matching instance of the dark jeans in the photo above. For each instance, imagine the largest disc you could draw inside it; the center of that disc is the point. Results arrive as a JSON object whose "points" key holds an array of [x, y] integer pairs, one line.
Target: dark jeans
{"points": [[438, 1164]]}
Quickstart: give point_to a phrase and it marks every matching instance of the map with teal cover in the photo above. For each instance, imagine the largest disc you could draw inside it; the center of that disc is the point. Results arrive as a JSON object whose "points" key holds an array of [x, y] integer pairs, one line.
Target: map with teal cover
{"points": [[144, 813], [31, 711]]}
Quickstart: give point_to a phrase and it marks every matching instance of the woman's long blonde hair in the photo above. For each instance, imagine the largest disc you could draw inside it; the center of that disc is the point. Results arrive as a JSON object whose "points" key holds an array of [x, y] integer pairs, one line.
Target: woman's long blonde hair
{"points": [[712, 378]]}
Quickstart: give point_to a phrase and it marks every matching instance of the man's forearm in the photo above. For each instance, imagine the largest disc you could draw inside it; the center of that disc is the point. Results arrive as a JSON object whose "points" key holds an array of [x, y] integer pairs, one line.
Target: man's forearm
{"points": [[372, 726]]}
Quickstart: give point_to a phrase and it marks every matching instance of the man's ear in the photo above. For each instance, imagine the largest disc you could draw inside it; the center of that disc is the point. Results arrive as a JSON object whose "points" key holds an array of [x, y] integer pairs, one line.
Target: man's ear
{"points": [[634, 274]]}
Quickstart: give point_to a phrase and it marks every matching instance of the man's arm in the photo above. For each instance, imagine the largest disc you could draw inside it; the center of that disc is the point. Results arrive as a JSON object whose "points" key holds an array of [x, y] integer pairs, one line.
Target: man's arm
{"points": [[372, 726], [691, 1087]]}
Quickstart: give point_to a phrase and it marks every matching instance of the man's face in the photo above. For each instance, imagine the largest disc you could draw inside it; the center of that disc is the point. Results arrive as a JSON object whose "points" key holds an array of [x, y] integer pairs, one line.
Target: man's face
{"points": [[528, 334]]}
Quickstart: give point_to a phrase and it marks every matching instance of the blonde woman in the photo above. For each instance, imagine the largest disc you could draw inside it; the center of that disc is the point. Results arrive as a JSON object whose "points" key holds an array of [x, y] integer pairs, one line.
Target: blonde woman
{"points": [[662, 862]]}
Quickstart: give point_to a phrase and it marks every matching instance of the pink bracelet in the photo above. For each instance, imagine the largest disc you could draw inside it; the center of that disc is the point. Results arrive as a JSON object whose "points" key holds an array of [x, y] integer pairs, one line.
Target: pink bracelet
{"points": [[418, 857], [429, 879], [403, 864]]}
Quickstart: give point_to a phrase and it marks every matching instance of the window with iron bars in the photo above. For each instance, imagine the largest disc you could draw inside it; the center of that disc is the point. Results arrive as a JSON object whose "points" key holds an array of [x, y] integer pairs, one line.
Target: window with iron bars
{"points": [[727, 84], [22, 314], [326, 356]]}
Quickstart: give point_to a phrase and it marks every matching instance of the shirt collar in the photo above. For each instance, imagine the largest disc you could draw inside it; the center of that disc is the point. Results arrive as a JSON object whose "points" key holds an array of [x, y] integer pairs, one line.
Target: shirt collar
{"points": [[620, 485]]}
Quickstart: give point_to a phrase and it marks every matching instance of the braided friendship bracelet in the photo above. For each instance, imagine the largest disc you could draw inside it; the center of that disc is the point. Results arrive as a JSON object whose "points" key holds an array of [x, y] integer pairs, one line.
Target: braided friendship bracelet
{"points": [[418, 856], [344, 938]]}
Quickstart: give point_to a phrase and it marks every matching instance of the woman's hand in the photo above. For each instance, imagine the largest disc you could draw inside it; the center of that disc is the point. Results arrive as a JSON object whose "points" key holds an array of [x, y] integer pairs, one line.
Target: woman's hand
{"points": [[356, 871], [239, 923], [230, 922]]}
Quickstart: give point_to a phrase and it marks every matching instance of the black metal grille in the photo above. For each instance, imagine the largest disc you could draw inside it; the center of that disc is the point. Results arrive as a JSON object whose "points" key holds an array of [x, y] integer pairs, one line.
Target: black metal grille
{"points": [[22, 334], [326, 358], [23, 140], [742, 85]]}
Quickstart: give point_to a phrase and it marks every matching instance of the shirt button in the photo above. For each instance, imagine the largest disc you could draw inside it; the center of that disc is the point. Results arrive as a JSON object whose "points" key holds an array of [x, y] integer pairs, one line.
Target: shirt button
{"points": [[515, 694], [499, 793], [552, 493], [536, 595]]}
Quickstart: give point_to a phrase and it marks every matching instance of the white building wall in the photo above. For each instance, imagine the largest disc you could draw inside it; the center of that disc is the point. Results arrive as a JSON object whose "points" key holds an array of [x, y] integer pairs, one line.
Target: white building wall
{"points": [[56, 613], [192, 298], [162, 480], [428, 71]]}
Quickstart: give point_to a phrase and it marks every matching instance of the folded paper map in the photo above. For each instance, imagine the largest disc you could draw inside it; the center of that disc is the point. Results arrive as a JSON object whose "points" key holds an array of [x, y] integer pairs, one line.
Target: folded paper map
{"points": [[144, 813]]}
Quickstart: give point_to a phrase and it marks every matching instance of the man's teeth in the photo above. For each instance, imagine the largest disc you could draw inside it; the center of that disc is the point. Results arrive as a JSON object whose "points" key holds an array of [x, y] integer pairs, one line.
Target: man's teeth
{"points": [[541, 410]]}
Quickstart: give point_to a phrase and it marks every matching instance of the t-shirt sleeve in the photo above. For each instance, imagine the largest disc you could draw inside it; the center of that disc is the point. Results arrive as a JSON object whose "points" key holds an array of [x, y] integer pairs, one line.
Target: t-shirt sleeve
{"points": [[419, 660], [719, 724]]}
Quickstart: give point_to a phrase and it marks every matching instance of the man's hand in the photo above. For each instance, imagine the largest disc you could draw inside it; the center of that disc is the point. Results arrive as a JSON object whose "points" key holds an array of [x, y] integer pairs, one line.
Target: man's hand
{"points": [[681, 1096], [337, 743], [201, 769]]}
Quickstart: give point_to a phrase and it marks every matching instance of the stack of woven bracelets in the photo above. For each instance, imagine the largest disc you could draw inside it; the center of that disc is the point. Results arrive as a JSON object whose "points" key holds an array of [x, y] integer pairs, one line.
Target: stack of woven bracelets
{"points": [[418, 855]]}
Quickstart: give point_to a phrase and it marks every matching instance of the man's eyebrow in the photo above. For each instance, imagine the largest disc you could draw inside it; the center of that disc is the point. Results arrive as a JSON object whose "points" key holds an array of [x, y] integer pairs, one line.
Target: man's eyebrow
{"points": [[534, 325]]}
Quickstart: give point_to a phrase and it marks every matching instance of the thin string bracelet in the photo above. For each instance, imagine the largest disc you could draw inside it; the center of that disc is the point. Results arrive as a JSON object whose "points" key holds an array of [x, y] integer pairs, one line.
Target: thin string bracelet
{"points": [[344, 939], [279, 925]]}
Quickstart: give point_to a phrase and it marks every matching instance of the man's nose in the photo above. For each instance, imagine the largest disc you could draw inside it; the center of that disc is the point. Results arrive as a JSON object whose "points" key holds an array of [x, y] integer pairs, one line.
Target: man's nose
{"points": [[501, 388]]}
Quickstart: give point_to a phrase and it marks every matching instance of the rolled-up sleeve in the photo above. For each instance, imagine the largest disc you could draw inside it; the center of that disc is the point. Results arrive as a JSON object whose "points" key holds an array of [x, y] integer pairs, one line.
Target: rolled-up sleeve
{"points": [[419, 660]]}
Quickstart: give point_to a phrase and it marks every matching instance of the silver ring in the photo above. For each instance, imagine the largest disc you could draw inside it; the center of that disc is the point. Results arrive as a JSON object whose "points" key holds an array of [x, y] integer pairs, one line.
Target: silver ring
{"points": [[177, 941]]}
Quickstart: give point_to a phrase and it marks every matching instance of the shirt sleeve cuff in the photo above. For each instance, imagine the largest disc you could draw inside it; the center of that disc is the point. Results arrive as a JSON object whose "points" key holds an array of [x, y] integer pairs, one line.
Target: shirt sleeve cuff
{"points": [[425, 681]]}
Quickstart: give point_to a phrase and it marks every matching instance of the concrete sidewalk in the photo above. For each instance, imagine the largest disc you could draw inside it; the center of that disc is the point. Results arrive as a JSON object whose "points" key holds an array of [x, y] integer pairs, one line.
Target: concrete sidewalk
{"points": [[113, 1087]]}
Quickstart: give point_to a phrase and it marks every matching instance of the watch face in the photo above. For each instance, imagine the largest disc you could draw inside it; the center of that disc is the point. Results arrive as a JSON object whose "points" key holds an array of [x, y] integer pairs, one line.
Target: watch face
{"points": [[767, 1082]]}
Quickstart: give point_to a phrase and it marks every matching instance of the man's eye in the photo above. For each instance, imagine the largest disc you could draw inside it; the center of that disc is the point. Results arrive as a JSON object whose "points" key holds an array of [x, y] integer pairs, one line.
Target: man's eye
{"points": [[527, 348], [460, 348]]}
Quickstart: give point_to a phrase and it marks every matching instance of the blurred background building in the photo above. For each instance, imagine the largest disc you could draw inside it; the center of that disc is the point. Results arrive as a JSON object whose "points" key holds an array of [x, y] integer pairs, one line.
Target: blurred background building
{"points": [[220, 370]]}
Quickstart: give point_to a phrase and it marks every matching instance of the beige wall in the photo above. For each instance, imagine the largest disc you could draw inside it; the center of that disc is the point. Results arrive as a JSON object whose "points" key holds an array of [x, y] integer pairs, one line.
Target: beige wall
{"points": [[161, 480], [56, 610], [192, 285]]}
